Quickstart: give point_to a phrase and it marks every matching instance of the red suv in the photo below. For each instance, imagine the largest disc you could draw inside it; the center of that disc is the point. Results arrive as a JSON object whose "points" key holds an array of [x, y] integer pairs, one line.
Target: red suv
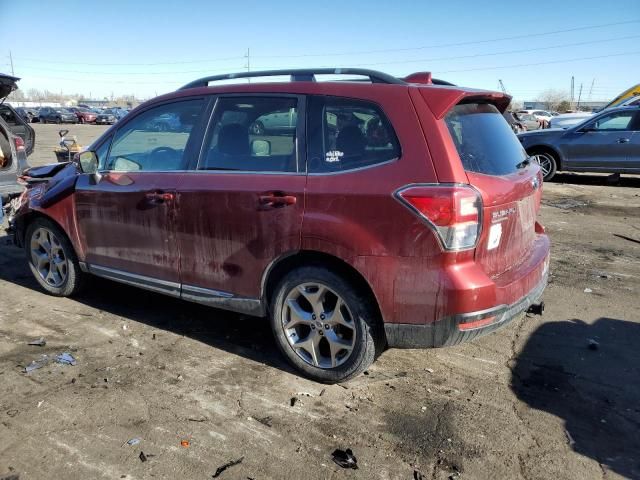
{"points": [[355, 216]]}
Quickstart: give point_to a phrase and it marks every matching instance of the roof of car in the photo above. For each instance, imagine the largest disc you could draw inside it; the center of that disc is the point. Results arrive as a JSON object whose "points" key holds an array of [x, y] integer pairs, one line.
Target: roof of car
{"points": [[303, 82]]}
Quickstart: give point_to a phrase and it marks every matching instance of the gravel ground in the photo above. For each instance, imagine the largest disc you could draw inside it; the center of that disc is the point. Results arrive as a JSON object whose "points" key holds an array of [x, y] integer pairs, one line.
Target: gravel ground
{"points": [[531, 401]]}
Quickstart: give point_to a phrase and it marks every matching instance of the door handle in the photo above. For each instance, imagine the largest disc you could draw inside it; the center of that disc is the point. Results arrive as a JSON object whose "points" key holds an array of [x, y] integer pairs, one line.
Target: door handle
{"points": [[159, 197], [276, 200], [623, 140]]}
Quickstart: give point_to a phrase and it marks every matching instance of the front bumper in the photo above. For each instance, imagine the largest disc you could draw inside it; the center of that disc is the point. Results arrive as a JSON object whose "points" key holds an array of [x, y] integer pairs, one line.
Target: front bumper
{"points": [[460, 328]]}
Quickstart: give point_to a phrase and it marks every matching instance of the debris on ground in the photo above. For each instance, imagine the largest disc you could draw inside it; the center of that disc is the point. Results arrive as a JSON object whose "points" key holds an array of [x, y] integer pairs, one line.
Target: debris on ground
{"points": [[197, 419], [566, 203], [65, 359], [142, 457], [345, 458], [293, 401], [593, 345], [133, 441], [185, 443], [430, 370], [266, 421], [588, 290], [36, 364], [417, 475], [40, 342], [227, 465]]}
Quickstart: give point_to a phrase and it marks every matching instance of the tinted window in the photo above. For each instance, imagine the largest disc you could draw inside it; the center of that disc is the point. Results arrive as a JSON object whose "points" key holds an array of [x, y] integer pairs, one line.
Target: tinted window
{"points": [[345, 134], [614, 121], [485, 142], [140, 146], [255, 134]]}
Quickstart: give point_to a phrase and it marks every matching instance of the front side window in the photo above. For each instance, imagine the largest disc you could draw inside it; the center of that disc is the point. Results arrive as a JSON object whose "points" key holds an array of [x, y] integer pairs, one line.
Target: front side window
{"points": [[253, 134], [141, 145], [615, 121], [345, 134], [485, 142]]}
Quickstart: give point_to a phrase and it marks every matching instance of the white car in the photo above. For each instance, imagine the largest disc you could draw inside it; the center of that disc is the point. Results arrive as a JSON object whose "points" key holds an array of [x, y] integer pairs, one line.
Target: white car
{"points": [[566, 120], [541, 115]]}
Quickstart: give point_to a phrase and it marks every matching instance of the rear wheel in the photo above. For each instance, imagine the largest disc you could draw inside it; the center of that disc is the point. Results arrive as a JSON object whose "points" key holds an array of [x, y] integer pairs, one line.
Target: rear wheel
{"points": [[52, 259], [326, 328], [548, 163]]}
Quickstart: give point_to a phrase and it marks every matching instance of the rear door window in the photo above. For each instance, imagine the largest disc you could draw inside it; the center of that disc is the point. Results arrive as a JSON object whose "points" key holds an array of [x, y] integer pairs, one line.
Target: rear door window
{"points": [[345, 134], [485, 142], [253, 134]]}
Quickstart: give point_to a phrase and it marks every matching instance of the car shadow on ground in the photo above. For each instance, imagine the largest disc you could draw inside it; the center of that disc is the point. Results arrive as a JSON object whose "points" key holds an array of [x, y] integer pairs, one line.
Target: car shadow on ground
{"points": [[242, 335], [596, 179], [593, 387]]}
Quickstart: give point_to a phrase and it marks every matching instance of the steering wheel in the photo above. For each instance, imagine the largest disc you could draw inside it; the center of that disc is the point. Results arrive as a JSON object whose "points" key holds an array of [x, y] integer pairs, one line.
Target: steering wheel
{"points": [[161, 155]]}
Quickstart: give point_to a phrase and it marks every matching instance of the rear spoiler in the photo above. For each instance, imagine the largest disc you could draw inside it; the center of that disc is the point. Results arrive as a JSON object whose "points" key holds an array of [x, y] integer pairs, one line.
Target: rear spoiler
{"points": [[448, 98]]}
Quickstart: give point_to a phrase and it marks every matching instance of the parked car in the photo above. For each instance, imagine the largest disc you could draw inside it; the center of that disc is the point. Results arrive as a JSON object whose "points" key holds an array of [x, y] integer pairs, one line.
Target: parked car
{"points": [[542, 116], [17, 139], [567, 120], [57, 115], [106, 118], [528, 121], [392, 215], [516, 125], [84, 114], [29, 115], [607, 142]]}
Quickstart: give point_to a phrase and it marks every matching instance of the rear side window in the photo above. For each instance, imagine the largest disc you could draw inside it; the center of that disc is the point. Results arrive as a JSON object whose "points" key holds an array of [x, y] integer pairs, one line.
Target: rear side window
{"points": [[253, 134], [345, 134], [485, 142]]}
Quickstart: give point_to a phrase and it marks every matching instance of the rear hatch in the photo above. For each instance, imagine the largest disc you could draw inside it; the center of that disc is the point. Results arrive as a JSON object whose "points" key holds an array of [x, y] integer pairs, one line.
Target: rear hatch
{"points": [[509, 183]]}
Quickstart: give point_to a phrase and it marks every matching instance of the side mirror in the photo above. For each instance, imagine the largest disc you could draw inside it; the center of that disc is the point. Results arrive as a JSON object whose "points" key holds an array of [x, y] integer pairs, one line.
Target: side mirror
{"points": [[260, 148], [63, 133], [88, 162]]}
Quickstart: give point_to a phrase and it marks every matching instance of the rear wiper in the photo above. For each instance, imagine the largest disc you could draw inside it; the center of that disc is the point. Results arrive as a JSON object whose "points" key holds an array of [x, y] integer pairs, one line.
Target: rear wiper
{"points": [[524, 163]]}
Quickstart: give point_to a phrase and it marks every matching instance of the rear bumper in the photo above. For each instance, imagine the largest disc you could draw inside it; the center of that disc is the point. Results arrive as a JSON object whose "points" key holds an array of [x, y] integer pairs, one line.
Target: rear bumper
{"points": [[460, 328]]}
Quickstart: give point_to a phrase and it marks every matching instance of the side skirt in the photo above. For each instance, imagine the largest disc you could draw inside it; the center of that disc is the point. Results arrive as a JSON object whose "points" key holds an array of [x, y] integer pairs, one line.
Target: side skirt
{"points": [[204, 296]]}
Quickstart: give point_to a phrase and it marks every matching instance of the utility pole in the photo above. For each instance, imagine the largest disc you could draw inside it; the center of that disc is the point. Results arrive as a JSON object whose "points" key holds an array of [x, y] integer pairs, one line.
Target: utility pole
{"points": [[572, 90], [248, 57], [504, 90], [591, 89], [11, 60], [579, 95]]}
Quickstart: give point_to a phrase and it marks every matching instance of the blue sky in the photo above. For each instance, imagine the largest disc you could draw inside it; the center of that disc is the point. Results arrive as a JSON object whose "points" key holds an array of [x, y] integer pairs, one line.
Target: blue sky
{"points": [[151, 47]]}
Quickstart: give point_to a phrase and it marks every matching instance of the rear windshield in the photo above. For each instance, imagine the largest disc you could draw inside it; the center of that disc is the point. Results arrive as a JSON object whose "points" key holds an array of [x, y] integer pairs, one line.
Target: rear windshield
{"points": [[484, 140]]}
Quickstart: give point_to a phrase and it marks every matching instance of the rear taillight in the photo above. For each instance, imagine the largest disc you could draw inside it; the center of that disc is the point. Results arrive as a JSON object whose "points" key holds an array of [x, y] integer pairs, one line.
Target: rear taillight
{"points": [[452, 211], [19, 144]]}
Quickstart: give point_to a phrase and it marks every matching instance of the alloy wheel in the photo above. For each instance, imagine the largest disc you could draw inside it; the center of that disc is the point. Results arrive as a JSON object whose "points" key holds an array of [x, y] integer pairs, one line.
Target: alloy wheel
{"points": [[546, 163], [48, 257], [318, 325]]}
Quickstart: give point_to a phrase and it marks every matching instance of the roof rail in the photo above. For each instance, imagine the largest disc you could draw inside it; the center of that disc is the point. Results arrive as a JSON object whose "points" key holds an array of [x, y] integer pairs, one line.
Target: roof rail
{"points": [[299, 75]]}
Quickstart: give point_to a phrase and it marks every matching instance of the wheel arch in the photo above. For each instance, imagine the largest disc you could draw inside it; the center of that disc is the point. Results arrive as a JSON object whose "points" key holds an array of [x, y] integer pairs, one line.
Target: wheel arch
{"points": [[548, 149], [287, 262]]}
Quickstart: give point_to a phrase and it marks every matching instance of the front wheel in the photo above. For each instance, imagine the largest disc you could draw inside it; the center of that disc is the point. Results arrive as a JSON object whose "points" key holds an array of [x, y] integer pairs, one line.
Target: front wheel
{"points": [[52, 259], [548, 164], [325, 327]]}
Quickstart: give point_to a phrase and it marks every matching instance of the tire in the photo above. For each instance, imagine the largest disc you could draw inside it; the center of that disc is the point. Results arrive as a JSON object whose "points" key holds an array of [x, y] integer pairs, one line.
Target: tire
{"points": [[81, 120], [58, 121], [64, 280], [548, 163], [355, 326]]}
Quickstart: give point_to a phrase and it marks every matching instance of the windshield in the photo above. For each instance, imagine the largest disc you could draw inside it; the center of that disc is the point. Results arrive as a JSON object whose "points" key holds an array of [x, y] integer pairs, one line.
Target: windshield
{"points": [[484, 140]]}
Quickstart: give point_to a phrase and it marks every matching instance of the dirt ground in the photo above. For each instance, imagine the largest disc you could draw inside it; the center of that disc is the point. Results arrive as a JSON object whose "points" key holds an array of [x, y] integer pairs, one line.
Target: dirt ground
{"points": [[531, 401]]}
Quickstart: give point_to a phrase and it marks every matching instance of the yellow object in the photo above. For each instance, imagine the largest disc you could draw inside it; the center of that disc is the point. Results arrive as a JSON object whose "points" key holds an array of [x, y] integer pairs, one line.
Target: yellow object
{"points": [[630, 92]]}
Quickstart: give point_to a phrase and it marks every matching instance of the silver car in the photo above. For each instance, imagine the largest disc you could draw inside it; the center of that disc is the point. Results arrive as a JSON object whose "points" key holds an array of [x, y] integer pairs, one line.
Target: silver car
{"points": [[607, 142]]}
